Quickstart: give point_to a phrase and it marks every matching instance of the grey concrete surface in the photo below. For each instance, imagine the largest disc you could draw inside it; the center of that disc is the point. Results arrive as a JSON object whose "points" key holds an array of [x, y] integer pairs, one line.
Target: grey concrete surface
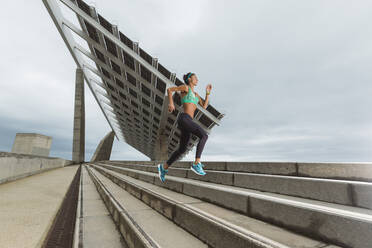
{"points": [[103, 150], [15, 166], [98, 229], [312, 188], [220, 227], [28, 206], [344, 192], [130, 232], [78, 143], [351, 224], [278, 168], [349, 171], [158, 228], [162, 148], [32, 143], [358, 171], [362, 195]]}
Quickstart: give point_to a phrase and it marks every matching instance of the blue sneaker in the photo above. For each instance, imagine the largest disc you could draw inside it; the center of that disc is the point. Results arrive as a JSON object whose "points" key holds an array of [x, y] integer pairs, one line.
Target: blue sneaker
{"points": [[202, 165], [161, 172], [198, 169]]}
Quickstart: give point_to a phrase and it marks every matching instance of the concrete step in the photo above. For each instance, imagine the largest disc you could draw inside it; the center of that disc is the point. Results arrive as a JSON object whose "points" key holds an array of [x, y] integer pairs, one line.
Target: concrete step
{"points": [[359, 171], [334, 223], [343, 192], [95, 227], [215, 225], [28, 206], [141, 225]]}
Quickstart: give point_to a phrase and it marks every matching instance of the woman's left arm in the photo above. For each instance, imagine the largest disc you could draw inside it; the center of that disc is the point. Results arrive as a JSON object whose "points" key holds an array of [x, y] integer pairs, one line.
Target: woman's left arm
{"points": [[204, 103]]}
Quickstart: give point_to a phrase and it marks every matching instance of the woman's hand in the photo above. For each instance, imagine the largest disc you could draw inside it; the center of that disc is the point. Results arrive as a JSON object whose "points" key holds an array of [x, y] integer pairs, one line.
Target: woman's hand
{"points": [[171, 107], [209, 88]]}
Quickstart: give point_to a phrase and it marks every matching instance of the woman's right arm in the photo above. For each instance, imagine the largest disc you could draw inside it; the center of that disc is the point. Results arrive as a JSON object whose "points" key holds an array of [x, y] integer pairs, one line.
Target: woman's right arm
{"points": [[170, 94], [171, 89]]}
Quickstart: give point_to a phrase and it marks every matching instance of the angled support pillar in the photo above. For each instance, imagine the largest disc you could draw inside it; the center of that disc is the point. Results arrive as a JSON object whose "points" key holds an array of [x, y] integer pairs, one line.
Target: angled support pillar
{"points": [[162, 153], [78, 145], [104, 148]]}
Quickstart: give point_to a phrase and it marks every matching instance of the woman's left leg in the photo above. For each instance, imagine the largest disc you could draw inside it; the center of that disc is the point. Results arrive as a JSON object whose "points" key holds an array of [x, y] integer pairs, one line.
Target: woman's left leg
{"points": [[184, 140], [203, 136]]}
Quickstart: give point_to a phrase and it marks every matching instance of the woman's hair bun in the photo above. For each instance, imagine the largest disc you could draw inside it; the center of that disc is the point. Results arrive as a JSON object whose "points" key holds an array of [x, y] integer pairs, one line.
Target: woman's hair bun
{"points": [[185, 76]]}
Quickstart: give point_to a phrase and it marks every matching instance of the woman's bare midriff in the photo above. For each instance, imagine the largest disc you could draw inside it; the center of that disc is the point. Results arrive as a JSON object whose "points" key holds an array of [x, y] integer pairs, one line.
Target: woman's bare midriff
{"points": [[188, 107]]}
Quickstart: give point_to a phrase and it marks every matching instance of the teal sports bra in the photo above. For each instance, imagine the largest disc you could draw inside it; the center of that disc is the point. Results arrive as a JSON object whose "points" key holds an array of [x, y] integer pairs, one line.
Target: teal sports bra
{"points": [[190, 97]]}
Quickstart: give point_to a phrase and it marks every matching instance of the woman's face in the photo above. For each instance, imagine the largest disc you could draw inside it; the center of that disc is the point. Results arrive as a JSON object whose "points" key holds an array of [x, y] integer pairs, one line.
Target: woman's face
{"points": [[194, 80]]}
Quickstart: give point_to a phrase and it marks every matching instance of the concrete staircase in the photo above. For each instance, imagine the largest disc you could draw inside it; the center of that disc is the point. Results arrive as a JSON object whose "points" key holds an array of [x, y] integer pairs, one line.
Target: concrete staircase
{"points": [[234, 205]]}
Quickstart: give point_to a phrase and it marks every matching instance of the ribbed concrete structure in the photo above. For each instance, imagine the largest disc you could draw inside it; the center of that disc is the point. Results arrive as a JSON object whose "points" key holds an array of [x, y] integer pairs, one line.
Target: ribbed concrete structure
{"points": [[129, 85]]}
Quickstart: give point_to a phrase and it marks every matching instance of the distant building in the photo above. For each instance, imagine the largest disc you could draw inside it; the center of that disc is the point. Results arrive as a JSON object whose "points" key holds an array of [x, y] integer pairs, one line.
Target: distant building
{"points": [[32, 143]]}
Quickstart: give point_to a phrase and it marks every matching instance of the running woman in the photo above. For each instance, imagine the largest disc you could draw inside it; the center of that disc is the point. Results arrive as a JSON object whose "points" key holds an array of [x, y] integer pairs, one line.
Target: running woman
{"points": [[189, 99]]}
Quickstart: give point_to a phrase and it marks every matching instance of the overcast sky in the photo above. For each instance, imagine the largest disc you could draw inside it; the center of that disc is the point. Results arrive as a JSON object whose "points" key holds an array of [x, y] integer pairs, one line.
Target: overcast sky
{"points": [[293, 78]]}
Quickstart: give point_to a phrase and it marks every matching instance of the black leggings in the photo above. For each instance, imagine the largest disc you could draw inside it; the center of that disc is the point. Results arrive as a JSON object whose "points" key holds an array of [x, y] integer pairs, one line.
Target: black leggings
{"points": [[188, 127]]}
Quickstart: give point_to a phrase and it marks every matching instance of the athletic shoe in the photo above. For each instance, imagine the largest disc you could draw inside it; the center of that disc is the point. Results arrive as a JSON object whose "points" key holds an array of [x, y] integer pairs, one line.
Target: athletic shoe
{"points": [[197, 168], [161, 172], [202, 165]]}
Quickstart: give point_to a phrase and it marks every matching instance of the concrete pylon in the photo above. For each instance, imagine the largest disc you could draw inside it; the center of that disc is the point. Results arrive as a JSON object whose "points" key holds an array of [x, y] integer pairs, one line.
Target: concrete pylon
{"points": [[104, 148], [78, 144], [162, 153]]}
